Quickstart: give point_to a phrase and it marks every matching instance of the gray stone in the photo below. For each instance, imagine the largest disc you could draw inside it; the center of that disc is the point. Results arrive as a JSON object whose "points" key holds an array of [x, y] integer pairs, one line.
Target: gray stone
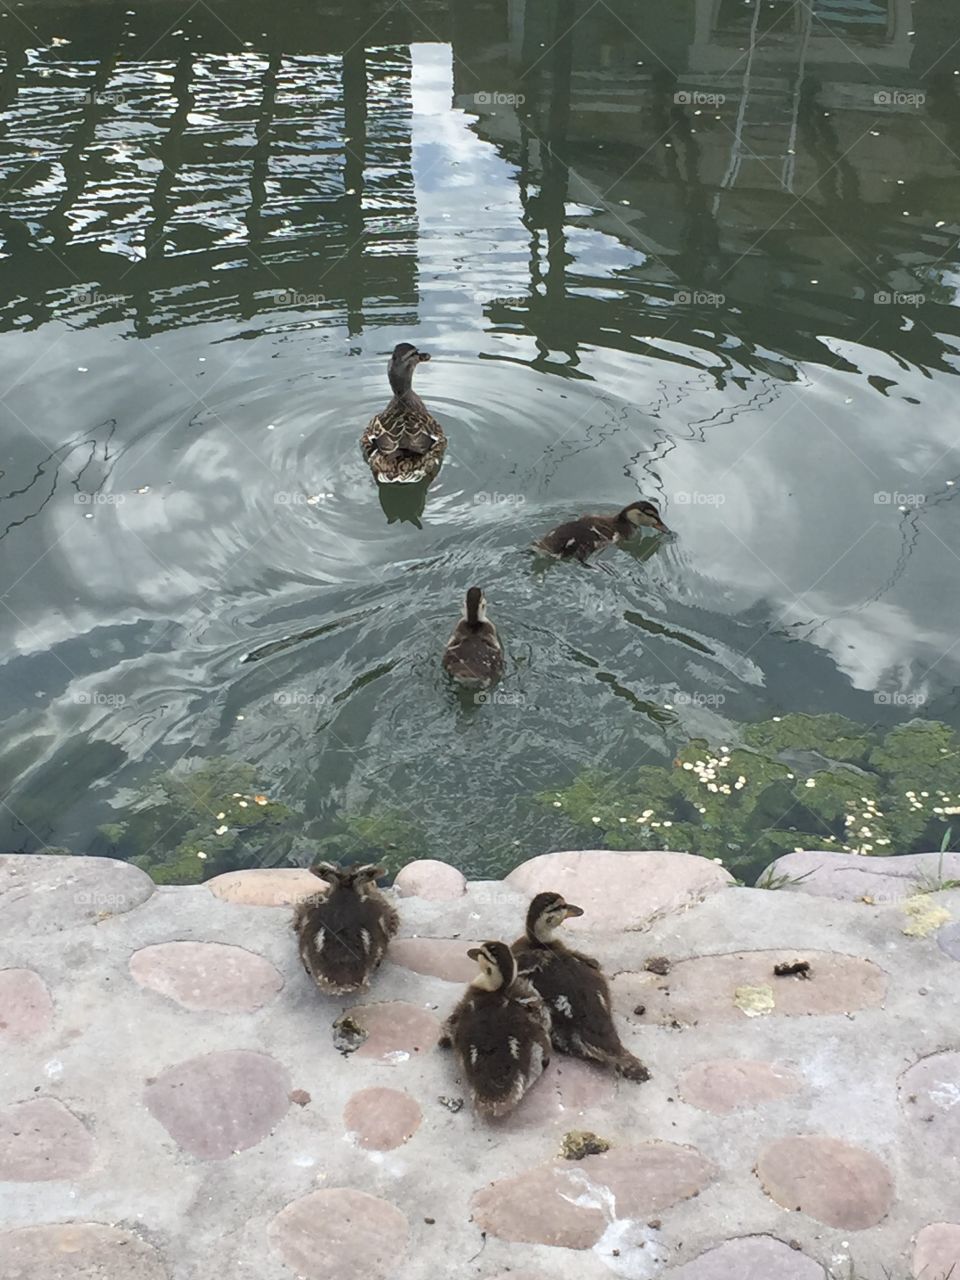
{"points": [[749, 1258], [77, 1251], [949, 940], [648, 885], [340, 1234], [937, 1252], [207, 975], [734, 1084], [851, 876], [569, 1205], [41, 894], [382, 1119], [220, 1103], [428, 878], [930, 1097], [833, 1181], [41, 1141], [717, 988], [25, 1005]]}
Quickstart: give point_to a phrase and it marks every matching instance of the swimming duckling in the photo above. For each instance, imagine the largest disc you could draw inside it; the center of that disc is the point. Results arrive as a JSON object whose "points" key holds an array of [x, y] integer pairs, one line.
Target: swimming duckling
{"points": [[344, 936], [581, 538], [474, 656], [573, 989], [500, 1031], [405, 443]]}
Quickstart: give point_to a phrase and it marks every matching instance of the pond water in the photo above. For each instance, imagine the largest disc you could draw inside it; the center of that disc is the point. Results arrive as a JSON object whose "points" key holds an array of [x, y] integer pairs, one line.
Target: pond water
{"points": [[704, 252]]}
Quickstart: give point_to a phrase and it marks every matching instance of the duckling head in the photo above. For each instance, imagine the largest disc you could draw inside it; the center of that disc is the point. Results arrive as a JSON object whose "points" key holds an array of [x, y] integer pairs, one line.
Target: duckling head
{"points": [[404, 360], [547, 913], [475, 606], [498, 967], [643, 514], [355, 879]]}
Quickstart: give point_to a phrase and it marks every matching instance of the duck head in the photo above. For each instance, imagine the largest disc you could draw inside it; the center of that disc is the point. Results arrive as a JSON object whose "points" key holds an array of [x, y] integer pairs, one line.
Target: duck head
{"points": [[547, 913], [642, 514], [353, 879], [475, 606], [498, 968], [404, 360]]}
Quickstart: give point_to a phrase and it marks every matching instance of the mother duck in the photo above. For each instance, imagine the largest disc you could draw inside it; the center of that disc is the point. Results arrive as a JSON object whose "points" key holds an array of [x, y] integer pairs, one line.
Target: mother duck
{"points": [[404, 444]]}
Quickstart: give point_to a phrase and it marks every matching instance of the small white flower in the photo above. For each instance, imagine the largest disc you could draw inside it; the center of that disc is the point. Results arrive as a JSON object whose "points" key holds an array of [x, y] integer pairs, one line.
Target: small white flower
{"points": [[810, 782], [668, 824], [557, 804], [221, 830]]}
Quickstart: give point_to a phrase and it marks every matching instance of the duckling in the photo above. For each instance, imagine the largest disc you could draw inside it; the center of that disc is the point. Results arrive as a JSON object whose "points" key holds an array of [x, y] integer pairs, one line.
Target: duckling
{"points": [[500, 1031], [343, 936], [573, 989], [474, 655], [404, 444], [581, 538]]}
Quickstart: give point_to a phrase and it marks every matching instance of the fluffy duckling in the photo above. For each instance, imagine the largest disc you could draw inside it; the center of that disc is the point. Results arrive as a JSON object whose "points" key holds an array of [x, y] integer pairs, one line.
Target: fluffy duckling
{"points": [[581, 538], [405, 443], [343, 936], [573, 989], [500, 1031], [474, 655]]}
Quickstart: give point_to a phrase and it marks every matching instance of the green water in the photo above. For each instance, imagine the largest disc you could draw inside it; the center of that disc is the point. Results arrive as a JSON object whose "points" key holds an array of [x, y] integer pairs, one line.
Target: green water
{"points": [[700, 251]]}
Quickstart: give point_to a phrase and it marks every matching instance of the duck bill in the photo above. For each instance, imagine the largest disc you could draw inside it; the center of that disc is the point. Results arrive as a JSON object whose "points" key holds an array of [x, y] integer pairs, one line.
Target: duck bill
{"points": [[571, 911], [661, 527], [423, 355], [473, 953]]}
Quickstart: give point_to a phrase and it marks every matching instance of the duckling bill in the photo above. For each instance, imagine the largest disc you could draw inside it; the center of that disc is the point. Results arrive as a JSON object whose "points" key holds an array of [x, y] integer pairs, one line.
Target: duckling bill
{"points": [[581, 538], [500, 1031], [573, 988], [404, 444], [474, 655], [343, 937]]}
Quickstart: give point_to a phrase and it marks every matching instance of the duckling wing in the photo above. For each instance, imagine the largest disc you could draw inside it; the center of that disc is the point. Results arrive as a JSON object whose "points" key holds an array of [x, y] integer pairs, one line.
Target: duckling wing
{"points": [[577, 539], [473, 658], [503, 1048], [342, 942], [577, 996]]}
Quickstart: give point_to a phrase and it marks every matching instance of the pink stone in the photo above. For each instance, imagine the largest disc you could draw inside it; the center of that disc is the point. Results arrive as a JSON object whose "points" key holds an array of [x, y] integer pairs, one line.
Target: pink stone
{"points": [[620, 890], [395, 1030], [340, 1234], [266, 886], [937, 1254], [382, 1118], [732, 1084], [220, 1103], [77, 1251], [41, 1141], [750, 1258], [25, 1005], [565, 1091], [703, 990], [427, 878], [558, 1203], [207, 975], [930, 1096], [435, 957], [832, 1181]]}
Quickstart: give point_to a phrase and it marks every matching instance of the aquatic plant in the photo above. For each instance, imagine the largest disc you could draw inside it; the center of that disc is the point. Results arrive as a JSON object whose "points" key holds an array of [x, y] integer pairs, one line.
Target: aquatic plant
{"points": [[791, 782], [190, 823]]}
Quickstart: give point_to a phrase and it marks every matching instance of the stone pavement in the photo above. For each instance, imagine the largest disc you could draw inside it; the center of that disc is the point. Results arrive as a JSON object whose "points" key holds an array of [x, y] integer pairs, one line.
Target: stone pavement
{"points": [[173, 1105]]}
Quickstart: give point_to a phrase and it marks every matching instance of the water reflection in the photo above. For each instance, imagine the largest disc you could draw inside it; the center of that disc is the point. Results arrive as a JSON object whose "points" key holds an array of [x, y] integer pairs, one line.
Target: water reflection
{"points": [[704, 253]]}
